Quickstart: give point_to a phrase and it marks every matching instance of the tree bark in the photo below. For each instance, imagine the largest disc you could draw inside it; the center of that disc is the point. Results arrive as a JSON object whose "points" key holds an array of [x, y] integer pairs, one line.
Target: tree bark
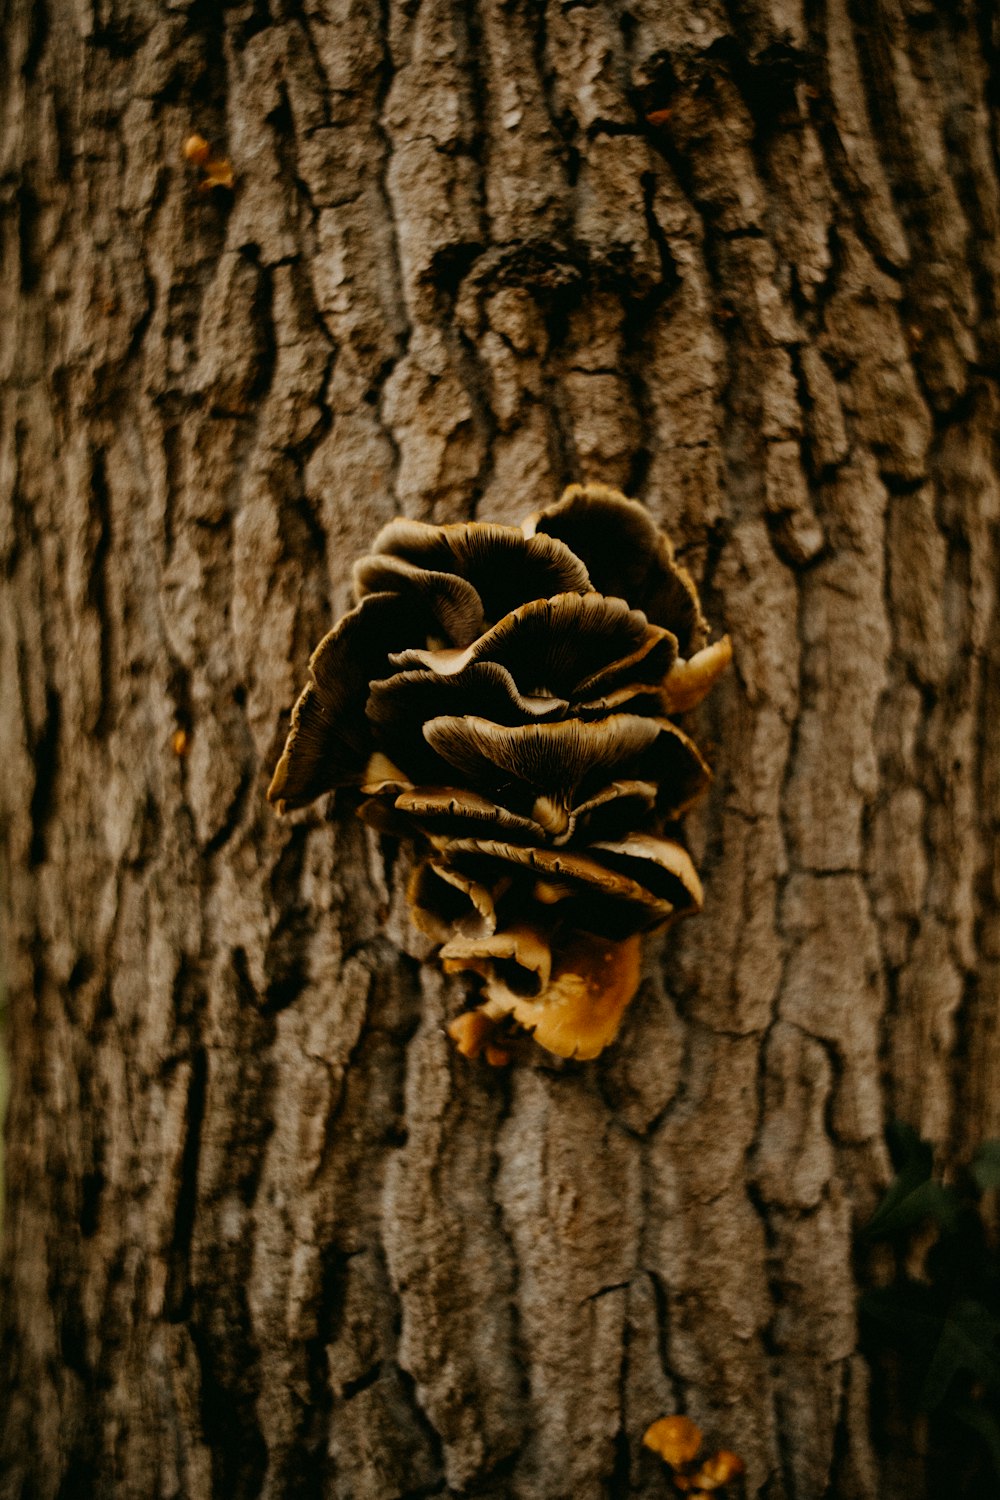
{"points": [[266, 1234]]}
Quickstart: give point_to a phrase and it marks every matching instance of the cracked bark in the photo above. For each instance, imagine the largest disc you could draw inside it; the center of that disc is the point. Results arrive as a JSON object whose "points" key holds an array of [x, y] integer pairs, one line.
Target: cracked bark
{"points": [[265, 1234]]}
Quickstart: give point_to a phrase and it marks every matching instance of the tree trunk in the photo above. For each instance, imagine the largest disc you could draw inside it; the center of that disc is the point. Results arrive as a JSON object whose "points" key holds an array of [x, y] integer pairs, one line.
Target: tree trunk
{"points": [[266, 1233]]}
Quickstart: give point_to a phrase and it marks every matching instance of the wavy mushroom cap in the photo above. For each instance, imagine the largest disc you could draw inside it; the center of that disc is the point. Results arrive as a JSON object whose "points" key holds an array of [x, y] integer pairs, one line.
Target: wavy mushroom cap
{"points": [[571, 646], [471, 573], [676, 1439], [626, 555], [613, 888], [399, 706], [329, 741], [505, 696], [570, 761], [457, 812], [576, 1011]]}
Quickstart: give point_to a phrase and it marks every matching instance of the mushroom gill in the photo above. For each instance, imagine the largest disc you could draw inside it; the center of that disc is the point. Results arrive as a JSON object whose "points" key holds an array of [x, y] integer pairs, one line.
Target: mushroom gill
{"points": [[506, 698], [627, 556], [569, 646], [500, 564]]}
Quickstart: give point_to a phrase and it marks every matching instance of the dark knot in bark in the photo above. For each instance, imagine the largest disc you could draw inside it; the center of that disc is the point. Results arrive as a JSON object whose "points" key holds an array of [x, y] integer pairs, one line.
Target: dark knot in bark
{"points": [[508, 699]]}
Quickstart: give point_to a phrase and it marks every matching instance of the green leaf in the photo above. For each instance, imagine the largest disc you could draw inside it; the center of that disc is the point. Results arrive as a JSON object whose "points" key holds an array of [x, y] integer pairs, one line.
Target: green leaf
{"points": [[912, 1197], [963, 1338], [986, 1424], [968, 1342], [986, 1165]]}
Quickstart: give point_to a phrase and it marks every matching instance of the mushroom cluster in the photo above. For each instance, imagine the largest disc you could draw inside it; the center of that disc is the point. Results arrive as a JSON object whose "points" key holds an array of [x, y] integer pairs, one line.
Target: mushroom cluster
{"points": [[508, 698], [679, 1443]]}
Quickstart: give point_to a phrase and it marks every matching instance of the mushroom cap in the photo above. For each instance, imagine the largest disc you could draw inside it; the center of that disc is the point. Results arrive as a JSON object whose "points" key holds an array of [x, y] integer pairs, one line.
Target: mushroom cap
{"points": [[399, 706], [688, 682], [626, 555], [660, 865], [611, 812], [551, 758], [458, 812], [445, 900], [449, 810], [615, 894], [501, 565], [519, 956], [570, 760], [676, 1439], [578, 1012], [568, 646], [450, 599], [329, 740], [613, 888], [718, 1469]]}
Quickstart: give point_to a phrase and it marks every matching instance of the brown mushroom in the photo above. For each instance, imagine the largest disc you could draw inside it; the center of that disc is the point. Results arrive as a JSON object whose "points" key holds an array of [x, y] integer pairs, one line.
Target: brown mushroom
{"points": [[451, 600], [566, 646], [470, 1032], [569, 757], [444, 900], [688, 682], [626, 556], [718, 1470], [330, 740], [658, 865], [383, 782], [612, 811], [503, 565], [519, 956], [578, 1012], [649, 663], [399, 706], [550, 758], [505, 696], [454, 812], [590, 894]]}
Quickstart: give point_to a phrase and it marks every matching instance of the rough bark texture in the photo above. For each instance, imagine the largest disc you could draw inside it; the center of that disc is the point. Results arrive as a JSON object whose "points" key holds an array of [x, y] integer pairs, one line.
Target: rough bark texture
{"points": [[266, 1235]]}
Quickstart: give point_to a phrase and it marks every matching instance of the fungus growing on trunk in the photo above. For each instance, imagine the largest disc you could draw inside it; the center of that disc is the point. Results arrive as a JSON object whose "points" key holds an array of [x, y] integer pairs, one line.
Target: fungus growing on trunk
{"points": [[505, 698], [678, 1441]]}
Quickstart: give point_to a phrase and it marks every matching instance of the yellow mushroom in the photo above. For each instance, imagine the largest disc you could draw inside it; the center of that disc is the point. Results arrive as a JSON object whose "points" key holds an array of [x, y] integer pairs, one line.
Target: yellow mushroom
{"points": [[676, 1439]]}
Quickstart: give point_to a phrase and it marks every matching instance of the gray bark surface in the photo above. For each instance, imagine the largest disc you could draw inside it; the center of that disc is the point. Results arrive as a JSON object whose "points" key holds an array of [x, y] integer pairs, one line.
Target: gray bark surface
{"points": [[266, 1234]]}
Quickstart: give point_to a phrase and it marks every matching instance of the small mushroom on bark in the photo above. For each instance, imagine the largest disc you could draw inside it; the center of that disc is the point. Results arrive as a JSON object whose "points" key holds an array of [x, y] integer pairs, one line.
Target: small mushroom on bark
{"points": [[506, 697], [678, 1441]]}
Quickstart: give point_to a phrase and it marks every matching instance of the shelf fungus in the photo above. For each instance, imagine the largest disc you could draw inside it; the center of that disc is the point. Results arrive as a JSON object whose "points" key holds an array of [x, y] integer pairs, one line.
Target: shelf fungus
{"points": [[507, 698]]}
